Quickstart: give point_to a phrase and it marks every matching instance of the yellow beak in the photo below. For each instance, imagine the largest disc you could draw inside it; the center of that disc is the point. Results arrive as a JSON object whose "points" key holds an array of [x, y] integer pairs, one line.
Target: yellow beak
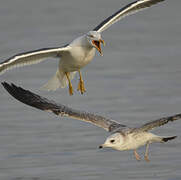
{"points": [[98, 45]]}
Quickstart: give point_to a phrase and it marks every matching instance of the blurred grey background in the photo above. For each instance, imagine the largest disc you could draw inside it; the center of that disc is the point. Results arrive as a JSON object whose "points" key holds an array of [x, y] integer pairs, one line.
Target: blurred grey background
{"points": [[137, 80]]}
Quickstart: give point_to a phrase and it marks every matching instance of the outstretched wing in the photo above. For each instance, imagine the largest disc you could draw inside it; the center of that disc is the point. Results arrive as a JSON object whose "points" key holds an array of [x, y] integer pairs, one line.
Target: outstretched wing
{"points": [[125, 11], [159, 122], [31, 57], [34, 100]]}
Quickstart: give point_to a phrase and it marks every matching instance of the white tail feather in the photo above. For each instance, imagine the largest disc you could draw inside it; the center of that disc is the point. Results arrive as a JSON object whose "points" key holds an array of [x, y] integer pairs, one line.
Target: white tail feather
{"points": [[58, 80]]}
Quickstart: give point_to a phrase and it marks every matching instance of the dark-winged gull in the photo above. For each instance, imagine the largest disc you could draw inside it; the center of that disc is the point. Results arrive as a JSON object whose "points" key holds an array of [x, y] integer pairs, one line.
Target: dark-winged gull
{"points": [[122, 137], [76, 54]]}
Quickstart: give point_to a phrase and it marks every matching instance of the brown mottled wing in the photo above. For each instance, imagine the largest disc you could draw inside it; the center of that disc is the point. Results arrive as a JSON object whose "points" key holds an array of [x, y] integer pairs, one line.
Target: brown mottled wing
{"points": [[34, 100], [125, 11], [160, 122]]}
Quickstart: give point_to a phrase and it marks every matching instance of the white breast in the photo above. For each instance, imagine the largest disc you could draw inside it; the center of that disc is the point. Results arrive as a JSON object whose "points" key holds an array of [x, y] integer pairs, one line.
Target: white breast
{"points": [[79, 56], [133, 141]]}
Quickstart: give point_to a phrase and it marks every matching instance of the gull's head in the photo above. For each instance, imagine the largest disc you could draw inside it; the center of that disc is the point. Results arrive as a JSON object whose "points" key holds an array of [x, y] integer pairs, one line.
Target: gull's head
{"points": [[95, 40], [113, 141]]}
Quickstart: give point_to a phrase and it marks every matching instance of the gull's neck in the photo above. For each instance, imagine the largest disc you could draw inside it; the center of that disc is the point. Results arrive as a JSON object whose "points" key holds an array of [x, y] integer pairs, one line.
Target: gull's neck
{"points": [[81, 41]]}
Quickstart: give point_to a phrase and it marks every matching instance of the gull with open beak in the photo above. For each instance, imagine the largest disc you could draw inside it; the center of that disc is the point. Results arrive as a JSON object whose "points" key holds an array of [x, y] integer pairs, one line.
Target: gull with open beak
{"points": [[75, 55], [97, 45]]}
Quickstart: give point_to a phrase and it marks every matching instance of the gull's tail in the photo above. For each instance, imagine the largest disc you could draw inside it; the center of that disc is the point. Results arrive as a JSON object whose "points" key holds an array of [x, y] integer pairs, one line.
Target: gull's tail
{"points": [[58, 80], [165, 139]]}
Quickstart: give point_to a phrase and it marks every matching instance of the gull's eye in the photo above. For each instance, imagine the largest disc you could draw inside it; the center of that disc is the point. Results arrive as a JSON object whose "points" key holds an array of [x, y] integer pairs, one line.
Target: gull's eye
{"points": [[91, 36], [112, 141]]}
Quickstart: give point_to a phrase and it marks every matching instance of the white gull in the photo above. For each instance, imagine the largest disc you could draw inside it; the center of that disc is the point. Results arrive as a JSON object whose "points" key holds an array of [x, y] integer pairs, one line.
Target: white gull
{"points": [[122, 137], [75, 55]]}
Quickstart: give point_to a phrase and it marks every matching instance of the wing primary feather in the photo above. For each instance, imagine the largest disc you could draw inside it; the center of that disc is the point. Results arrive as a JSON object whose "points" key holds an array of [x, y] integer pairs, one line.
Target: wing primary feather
{"points": [[39, 102], [159, 122], [125, 11], [31, 57]]}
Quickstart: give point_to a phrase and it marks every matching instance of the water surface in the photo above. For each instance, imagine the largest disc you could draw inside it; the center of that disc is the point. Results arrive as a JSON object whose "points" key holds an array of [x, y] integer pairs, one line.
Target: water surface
{"points": [[137, 80]]}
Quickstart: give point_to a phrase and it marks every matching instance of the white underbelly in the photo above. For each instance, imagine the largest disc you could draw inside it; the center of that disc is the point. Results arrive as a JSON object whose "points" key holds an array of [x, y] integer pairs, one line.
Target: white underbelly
{"points": [[136, 141], [76, 60]]}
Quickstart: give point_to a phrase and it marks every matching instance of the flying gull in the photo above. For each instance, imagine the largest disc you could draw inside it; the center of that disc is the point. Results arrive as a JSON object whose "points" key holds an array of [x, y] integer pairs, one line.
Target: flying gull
{"points": [[122, 137], [76, 54]]}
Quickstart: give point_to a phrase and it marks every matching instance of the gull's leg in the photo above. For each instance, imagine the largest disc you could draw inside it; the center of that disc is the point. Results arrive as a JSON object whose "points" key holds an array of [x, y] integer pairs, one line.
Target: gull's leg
{"points": [[146, 152], [81, 87], [70, 84], [137, 155]]}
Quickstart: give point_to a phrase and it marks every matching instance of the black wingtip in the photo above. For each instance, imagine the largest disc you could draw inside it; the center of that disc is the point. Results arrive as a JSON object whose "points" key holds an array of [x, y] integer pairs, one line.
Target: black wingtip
{"points": [[8, 87], [14, 90], [5, 85], [19, 93], [28, 97]]}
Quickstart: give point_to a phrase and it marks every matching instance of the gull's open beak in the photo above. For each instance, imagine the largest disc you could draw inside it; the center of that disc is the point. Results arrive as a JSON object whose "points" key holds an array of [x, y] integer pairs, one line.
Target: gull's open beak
{"points": [[98, 45]]}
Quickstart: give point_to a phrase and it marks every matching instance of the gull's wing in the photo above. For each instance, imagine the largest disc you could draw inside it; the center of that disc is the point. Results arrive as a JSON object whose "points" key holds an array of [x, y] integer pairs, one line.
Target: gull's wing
{"points": [[34, 100], [159, 122], [125, 11], [32, 57]]}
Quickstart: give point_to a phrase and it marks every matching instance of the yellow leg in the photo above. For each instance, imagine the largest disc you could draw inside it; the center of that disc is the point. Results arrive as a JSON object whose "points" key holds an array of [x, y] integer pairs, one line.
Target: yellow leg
{"points": [[146, 152], [137, 155], [70, 84], [81, 86]]}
